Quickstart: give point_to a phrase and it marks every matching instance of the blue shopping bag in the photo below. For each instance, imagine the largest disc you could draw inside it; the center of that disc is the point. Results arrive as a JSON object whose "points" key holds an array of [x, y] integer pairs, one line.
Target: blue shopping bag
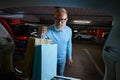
{"points": [[45, 62]]}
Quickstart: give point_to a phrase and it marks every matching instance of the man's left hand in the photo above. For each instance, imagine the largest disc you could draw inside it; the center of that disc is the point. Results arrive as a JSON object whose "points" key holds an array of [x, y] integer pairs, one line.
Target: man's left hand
{"points": [[70, 61]]}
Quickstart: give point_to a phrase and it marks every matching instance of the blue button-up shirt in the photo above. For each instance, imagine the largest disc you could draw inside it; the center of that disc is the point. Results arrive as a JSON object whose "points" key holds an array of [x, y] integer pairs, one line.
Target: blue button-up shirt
{"points": [[63, 41]]}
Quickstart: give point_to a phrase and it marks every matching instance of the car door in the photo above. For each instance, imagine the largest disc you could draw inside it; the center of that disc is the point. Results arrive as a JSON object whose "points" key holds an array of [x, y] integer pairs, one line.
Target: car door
{"points": [[6, 48], [111, 52]]}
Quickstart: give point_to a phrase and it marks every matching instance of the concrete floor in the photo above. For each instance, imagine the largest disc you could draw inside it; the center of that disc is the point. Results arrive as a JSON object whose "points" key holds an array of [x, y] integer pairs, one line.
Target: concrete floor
{"points": [[87, 61]]}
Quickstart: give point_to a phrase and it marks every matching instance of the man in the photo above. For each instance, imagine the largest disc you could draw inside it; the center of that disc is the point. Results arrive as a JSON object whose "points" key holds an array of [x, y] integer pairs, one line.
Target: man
{"points": [[61, 34]]}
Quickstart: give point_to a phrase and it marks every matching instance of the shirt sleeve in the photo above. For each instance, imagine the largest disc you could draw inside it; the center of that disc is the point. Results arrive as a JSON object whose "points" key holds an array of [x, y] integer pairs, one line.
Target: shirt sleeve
{"points": [[69, 46]]}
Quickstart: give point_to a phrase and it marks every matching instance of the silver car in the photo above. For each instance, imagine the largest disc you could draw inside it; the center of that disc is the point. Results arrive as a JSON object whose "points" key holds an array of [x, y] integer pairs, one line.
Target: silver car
{"points": [[84, 36]]}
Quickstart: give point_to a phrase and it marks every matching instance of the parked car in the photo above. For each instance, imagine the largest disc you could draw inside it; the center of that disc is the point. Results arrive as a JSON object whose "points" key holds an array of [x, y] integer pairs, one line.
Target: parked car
{"points": [[84, 36], [22, 33]]}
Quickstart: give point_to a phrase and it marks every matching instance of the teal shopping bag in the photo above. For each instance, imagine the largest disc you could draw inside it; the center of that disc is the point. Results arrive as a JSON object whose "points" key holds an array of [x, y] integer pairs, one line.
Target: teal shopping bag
{"points": [[45, 62]]}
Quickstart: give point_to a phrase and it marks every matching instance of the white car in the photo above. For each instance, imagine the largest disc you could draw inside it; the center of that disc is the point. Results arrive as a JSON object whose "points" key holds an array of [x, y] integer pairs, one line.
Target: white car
{"points": [[84, 36]]}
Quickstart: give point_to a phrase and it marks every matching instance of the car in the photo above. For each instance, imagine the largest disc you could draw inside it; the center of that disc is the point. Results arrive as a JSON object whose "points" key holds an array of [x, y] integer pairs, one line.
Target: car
{"points": [[13, 38], [7, 47], [84, 36], [21, 33]]}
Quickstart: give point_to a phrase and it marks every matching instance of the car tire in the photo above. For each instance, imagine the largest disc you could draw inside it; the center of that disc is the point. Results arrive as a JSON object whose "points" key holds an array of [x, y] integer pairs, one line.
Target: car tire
{"points": [[79, 38]]}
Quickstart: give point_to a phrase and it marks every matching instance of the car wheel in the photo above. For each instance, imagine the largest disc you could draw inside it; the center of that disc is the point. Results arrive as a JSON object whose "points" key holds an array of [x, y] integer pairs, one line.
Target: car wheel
{"points": [[79, 38]]}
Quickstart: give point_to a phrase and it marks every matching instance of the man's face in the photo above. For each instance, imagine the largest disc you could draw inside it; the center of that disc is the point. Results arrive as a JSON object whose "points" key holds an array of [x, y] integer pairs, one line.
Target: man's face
{"points": [[60, 19]]}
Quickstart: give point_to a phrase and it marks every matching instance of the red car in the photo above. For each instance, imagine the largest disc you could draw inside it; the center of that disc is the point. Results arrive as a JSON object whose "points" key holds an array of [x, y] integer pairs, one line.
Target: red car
{"points": [[12, 38], [21, 33]]}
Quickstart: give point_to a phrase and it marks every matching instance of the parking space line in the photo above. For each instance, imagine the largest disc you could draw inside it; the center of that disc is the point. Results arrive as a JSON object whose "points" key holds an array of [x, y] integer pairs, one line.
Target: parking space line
{"points": [[93, 61]]}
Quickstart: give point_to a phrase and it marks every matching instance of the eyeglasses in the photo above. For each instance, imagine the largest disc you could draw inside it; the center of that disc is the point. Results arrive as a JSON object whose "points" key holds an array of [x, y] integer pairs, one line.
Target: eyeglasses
{"points": [[58, 19]]}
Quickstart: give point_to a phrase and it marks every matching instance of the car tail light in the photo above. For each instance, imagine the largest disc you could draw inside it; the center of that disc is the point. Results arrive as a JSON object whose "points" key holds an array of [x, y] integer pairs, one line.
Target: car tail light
{"points": [[21, 37]]}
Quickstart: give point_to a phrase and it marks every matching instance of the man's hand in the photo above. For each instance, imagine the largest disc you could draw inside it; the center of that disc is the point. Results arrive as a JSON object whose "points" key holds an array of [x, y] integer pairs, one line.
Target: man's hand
{"points": [[70, 61], [42, 30]]}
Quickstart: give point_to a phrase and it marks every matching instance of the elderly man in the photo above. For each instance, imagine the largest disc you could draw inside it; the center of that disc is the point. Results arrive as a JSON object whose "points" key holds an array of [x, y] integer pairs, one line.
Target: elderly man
{"points": [[61, 34]]}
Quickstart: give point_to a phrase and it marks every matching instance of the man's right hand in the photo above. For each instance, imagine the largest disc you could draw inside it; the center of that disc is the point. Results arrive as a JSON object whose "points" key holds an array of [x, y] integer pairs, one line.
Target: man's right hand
{"points": [[42, 30]]}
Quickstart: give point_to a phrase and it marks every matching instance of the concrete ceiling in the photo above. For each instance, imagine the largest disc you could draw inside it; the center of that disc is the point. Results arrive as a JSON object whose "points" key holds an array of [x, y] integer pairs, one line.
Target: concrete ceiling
{"points": [[100, 12]]}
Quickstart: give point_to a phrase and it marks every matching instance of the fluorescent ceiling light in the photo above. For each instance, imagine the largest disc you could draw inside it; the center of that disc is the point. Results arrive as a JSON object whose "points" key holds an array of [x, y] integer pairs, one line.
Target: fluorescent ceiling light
{"points": [[75, 30], [12, 16], [81, 21], [32, 24]]}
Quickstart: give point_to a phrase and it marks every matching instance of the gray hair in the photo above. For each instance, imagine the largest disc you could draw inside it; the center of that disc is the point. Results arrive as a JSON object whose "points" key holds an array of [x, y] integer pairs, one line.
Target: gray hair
{"points": [[60, 9]]}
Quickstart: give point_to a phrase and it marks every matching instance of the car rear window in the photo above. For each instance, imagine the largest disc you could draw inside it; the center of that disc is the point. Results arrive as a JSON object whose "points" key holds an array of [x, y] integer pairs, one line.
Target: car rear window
{"points": [[20, 30]]}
